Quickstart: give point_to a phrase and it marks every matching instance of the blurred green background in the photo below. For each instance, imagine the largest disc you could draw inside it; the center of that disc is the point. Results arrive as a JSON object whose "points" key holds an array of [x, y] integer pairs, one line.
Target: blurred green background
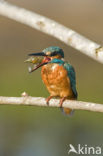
{"points": [[38, 131]]}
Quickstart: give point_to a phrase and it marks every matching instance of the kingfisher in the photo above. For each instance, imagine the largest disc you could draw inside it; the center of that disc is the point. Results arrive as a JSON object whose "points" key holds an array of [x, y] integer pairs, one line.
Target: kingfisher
{"points": [[58, 76]]}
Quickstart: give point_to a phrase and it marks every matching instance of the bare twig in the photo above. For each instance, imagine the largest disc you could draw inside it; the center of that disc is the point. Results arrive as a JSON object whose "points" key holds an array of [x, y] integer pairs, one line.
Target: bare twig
{"points": [[39, 101], [54, 29]]}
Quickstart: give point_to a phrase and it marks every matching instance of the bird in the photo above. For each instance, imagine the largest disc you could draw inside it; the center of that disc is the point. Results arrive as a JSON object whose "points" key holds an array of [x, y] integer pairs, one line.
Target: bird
{"points": [[58, 76]]}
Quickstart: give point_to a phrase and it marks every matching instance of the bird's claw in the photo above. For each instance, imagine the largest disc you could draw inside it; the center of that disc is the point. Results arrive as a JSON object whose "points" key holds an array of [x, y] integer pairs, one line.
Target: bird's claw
{"points": [[48, 99], [61, 102]]}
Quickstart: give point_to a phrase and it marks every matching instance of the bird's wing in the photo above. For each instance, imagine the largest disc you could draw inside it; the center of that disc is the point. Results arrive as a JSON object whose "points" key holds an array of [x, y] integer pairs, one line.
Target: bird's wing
{"points": [[72, 77]]}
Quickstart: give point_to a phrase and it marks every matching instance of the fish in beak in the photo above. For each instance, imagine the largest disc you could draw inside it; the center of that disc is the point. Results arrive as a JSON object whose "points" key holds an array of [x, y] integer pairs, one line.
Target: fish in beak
{"points": [[34, 60], [38, 60]]}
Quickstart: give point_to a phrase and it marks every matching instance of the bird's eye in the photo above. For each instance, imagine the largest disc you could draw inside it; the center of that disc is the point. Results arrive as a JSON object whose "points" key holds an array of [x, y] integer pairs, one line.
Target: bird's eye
{"points": [[54, 53]]}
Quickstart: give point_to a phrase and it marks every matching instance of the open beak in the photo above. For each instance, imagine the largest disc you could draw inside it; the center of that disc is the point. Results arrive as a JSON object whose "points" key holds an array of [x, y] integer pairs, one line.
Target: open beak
{"points": [[36, 67], [37, 60]]}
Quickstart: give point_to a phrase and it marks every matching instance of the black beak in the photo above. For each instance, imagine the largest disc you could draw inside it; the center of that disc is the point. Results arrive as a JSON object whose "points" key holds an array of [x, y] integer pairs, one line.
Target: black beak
{"points": [[37, 54]]}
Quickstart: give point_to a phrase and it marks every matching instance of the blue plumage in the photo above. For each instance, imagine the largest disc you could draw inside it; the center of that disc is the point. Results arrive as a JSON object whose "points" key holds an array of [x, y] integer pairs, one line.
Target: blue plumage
{"points": [[72, 77]]}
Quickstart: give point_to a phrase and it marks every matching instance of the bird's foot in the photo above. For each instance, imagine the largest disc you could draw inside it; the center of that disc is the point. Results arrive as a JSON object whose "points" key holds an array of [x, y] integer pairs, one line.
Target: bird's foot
{"points": [[61, 101], [48, 99]]}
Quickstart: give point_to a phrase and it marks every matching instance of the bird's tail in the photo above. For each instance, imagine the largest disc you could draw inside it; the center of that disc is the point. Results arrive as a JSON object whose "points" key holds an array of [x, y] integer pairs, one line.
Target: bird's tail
{"points": [[67, 111]]}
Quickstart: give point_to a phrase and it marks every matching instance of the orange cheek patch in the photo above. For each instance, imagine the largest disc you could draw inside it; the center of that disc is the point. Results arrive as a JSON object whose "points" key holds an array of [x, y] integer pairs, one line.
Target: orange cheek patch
{"points": [[48, 53], [57, 56]]}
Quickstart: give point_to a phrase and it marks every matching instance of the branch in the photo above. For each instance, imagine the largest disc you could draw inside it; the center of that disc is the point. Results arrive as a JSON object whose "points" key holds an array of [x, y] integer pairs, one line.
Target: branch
{"points": [[39, 101], [48, 26]]}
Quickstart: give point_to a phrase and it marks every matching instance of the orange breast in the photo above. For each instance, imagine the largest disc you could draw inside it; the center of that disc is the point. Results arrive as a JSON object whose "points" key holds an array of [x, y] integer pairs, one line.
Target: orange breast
{"points": [[56, 80]]}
